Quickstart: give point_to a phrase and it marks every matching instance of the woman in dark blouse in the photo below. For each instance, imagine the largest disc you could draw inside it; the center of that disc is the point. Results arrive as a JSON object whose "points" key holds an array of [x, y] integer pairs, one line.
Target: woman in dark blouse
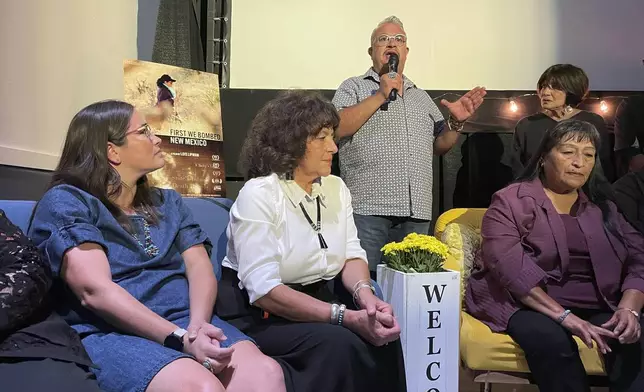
{"points": [[561, 88], [557, 259], [38, 350]]}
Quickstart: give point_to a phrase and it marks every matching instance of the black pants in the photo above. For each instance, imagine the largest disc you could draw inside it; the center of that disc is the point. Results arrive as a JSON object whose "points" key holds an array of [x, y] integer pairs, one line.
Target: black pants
{"points": [[315, 356], [26, 375], [553, 356]]}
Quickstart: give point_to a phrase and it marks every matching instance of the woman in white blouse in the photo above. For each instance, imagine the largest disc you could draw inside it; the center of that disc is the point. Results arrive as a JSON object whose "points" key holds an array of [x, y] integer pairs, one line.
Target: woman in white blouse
{"points": [[296, 279]]}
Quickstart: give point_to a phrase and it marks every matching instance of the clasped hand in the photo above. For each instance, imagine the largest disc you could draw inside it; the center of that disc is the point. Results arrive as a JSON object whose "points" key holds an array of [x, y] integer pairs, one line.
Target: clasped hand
{"points": [[625, 326], [588, 332], [375, 322], [203, 342]]}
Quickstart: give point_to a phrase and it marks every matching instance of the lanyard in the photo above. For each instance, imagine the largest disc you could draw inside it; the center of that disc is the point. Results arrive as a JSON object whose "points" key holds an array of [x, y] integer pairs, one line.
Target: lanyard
{"points": [[316, 227]]}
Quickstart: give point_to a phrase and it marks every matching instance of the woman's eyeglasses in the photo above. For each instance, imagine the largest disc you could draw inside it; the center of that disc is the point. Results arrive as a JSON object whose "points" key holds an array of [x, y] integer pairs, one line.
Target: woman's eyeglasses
{"points": [[144, 129]]}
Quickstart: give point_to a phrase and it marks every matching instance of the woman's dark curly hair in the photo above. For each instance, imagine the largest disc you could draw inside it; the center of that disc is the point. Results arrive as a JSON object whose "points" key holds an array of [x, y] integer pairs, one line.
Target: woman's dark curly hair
{"points": [[277, 138]]}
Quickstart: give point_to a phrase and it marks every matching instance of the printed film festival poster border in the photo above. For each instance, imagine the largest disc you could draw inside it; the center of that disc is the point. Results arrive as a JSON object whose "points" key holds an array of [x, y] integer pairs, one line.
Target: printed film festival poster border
{"points": [[182, 107]]}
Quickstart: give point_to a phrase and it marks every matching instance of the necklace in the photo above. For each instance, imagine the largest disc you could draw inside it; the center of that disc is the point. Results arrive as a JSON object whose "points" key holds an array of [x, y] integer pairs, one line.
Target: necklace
{"points": [[149, 247], [315, 226]]}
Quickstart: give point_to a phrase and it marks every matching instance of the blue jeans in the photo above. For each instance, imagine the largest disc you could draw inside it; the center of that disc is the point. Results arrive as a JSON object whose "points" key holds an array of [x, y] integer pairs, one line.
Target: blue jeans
{"points": [[375, 231]]}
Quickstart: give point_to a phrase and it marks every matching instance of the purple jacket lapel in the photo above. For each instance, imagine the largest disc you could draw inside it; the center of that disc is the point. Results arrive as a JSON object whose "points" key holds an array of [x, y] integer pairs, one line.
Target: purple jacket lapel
{"points": [[534, 189]]}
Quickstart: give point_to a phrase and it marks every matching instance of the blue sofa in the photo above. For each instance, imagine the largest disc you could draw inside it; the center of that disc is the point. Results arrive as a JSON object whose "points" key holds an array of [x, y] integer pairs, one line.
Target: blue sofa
{"points": [[211, 214]]}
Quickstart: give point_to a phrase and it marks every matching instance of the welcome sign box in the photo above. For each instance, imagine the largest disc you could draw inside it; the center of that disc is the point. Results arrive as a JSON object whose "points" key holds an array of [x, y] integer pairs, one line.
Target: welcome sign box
{"points": [[427, 306]]}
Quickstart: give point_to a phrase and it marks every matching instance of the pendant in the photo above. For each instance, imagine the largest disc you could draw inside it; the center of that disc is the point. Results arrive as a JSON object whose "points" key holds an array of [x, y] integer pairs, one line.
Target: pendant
{"points": [[323, 244]]}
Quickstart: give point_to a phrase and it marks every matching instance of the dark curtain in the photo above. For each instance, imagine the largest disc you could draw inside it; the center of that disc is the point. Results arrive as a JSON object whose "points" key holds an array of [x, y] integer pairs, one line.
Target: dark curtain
{"points": [[178, 37]]}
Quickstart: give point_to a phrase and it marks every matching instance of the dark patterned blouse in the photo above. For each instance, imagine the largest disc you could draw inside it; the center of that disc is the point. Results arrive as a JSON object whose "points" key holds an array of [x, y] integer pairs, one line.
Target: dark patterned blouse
{"points": [[28, 327]]}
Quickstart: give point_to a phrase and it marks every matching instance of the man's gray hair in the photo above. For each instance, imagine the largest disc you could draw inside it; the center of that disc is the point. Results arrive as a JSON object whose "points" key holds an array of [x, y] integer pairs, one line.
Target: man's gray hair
{"points": [[390, 19]]}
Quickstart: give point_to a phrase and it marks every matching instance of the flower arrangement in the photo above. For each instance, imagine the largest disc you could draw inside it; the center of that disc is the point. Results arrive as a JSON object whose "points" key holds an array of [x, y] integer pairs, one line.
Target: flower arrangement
{"points": [[416, 253]]}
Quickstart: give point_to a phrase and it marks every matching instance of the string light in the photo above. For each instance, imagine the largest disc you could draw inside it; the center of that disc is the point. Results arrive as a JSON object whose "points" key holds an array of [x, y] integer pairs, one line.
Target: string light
{"points": [[529, 95], [513, 106]]}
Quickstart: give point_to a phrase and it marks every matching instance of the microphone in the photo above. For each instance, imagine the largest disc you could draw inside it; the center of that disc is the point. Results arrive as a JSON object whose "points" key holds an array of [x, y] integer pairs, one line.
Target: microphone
{"points": [[393, 67]]}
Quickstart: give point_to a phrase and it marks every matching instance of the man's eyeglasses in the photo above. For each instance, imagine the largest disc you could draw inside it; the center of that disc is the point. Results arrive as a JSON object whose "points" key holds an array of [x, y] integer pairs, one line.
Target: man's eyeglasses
{"points": [[383, 40], [144, 129]]}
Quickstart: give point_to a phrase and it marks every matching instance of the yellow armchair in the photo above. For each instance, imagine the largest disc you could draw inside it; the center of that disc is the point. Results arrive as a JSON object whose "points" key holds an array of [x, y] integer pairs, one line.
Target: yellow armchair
{"points": [[494, 357]]}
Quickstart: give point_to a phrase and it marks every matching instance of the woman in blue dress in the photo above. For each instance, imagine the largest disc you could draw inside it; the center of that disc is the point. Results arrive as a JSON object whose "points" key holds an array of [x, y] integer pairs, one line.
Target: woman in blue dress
{"points": [[137, 282]]}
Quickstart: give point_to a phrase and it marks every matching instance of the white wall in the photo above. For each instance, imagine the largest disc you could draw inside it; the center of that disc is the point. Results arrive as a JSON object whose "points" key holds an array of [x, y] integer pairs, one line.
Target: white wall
{"points": [[57, 57], [455, 44]]}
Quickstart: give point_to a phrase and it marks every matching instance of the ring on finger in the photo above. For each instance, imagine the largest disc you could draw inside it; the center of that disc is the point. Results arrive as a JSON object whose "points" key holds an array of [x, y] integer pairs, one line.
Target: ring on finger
{"points": [[206, 363], [392, 75]]}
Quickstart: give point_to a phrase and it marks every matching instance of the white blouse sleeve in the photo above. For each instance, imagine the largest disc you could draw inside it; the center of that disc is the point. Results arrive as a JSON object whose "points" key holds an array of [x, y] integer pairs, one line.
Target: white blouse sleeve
{"points": [[354, 249], [257, 248]]}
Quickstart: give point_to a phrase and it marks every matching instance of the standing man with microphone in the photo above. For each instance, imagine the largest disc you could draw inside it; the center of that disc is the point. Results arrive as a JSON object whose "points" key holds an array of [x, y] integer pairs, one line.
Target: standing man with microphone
{"points": [[389, 130]]}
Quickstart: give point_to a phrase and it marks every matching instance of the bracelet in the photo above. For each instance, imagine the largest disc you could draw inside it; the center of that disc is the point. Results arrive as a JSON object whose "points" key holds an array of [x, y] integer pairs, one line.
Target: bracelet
{"points": [[357, 290], [358, 283], [637, 315], [454, 124], [335, 313], [343, 307], [563, 316]]}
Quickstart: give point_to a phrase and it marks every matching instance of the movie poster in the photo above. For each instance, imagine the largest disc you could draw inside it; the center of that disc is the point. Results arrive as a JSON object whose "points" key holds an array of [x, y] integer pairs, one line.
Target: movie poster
{"points": [[182, 107]]}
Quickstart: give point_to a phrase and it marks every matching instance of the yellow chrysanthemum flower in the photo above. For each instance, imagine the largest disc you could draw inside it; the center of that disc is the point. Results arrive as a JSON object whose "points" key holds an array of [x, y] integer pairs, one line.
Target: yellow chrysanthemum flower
{"points": [[416, 253]]}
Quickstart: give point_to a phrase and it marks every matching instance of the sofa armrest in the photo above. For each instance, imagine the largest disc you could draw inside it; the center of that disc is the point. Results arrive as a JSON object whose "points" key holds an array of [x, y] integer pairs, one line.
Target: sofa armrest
{"points": [[453, 263], [378, 289]]}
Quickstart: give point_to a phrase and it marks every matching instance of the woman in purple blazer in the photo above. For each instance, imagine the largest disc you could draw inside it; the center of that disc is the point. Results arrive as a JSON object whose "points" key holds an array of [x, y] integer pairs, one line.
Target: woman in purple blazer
{"points": [[557, 259]]}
